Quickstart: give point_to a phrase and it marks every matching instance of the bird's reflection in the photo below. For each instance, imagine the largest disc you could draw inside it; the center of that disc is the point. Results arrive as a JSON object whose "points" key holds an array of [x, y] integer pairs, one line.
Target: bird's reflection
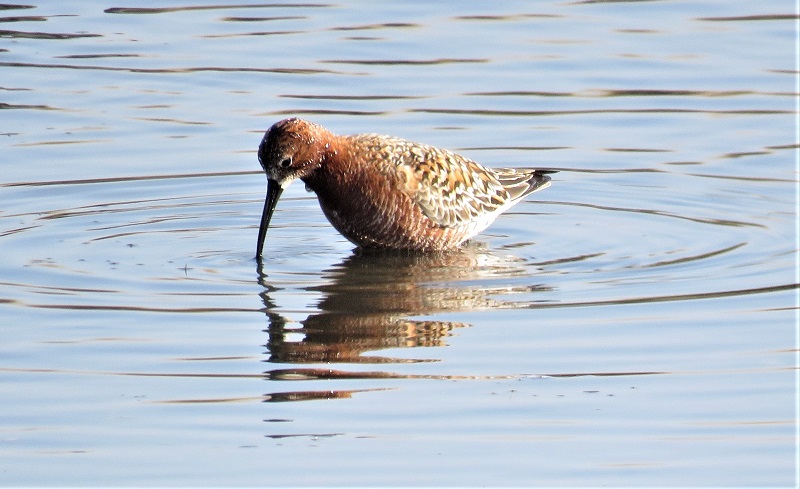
{"points": [[369, 301], [372, 301]]}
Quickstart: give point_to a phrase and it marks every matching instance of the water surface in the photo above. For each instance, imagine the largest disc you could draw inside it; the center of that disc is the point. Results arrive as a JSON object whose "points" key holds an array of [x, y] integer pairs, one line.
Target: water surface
{"points": [[633, 324]]}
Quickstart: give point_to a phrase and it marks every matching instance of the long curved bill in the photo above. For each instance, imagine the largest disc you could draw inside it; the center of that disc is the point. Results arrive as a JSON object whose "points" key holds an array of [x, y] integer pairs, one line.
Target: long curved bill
{"points": [[274, 191]]}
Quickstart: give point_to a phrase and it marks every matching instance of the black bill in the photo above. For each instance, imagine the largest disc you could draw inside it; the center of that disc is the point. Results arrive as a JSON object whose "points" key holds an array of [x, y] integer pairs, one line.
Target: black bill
{"points": [[274, 191]]}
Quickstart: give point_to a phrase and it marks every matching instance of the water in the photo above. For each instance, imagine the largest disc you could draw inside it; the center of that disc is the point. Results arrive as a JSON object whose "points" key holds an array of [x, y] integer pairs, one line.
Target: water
{"points": [[633, 324]]}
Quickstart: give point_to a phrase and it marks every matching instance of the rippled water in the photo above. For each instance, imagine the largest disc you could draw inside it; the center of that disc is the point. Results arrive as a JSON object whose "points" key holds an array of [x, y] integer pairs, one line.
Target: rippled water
{"points": [[634, 324]]}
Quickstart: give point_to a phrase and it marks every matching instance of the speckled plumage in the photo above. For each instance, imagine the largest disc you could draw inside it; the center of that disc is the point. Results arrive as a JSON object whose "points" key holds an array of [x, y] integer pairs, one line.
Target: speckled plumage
{"points": [[386, 192]]}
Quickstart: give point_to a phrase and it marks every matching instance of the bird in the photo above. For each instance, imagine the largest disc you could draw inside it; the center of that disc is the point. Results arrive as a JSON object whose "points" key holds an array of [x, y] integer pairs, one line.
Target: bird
{"points": [[387, 193]]}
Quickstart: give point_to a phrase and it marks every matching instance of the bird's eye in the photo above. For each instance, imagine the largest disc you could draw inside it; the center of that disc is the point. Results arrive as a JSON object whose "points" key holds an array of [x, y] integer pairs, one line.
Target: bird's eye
{"points": [[286, 162]]}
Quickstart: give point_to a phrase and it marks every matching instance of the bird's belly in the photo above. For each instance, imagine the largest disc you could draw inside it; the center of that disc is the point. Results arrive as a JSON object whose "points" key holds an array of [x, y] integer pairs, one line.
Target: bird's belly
{"points": [[392, 227]]}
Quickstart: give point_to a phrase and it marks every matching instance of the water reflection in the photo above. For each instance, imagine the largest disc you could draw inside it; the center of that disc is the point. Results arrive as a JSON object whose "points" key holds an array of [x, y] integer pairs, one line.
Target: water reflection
{"points": [[368, 303], [369, 299]]}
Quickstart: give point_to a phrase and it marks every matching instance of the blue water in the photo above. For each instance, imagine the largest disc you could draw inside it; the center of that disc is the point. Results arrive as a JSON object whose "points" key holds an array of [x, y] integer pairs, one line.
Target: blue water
{"points": [[635, 324]]}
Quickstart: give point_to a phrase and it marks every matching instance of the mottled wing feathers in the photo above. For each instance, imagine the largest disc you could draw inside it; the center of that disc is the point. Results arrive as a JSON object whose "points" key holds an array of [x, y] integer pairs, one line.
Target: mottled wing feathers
{"points": [[460, 194], [449, 189]]}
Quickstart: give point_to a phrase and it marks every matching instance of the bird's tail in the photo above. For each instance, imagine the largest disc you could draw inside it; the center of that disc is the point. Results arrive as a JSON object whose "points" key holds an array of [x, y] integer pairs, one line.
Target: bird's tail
{"points": [[521, 182]]}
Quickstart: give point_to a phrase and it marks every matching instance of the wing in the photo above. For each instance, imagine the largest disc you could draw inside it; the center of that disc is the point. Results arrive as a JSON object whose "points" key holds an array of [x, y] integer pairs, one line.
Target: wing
{"points": [[449, 189], [452, 190]]}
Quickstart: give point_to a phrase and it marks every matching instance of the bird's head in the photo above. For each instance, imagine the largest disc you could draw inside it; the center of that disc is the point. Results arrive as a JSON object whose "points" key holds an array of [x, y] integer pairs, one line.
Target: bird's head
{"points": [[291, 149]]}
